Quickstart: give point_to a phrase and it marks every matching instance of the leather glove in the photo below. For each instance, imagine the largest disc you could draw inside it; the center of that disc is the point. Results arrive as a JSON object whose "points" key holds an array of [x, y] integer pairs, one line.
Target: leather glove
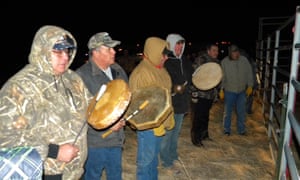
{"points": [[249, 91], [221, 94]]}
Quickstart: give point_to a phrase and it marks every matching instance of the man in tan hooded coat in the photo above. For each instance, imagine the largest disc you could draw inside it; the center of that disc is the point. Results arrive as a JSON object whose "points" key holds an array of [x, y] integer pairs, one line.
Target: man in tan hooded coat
{"points": [[149, 72]]}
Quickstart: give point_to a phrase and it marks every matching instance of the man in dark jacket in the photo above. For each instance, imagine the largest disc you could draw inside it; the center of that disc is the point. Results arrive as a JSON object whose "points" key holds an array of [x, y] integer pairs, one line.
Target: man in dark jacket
{"points": [[103, 153], [203, 100], [180, 71]]}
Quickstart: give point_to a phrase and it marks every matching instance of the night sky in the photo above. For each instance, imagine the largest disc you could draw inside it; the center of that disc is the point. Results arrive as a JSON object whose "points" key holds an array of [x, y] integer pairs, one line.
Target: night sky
{"points": [[132, 23]]}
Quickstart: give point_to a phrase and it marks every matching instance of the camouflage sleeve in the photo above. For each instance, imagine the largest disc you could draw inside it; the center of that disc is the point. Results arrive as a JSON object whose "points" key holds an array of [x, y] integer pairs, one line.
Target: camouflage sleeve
{"points": [[17, 122]]}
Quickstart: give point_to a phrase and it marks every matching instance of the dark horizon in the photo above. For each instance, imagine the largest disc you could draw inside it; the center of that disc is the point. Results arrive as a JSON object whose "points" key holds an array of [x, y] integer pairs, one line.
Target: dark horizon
{"points": [[237, 24]]}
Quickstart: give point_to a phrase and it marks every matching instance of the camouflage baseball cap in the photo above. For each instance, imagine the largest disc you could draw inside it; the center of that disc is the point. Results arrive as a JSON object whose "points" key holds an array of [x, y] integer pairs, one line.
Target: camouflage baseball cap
{"points": [[102, 38]]}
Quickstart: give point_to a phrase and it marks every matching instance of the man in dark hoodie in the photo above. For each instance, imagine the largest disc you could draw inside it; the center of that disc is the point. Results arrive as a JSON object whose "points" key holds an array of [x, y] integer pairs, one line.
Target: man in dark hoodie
{"points": [[180, 71]]}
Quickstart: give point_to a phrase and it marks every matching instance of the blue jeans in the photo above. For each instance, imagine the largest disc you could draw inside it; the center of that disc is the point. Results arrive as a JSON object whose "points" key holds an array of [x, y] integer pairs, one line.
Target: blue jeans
{"points": [[147, 155], [99, 159], [168, 146], [237, 100]]}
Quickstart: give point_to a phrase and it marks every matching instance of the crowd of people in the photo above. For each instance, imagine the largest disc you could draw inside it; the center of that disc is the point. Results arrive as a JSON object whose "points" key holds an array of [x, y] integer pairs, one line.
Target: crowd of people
{"points": [[44, 105]]}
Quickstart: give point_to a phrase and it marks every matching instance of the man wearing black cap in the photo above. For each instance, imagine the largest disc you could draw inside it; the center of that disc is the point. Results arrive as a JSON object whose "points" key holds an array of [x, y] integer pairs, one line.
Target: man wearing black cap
{"points": [[44, 105], [101, 68], [236, 84]]}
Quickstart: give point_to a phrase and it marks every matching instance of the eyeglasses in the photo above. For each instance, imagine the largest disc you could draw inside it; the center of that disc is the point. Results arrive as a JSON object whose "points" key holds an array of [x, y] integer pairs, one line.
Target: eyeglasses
{"points": [[63, 52]]}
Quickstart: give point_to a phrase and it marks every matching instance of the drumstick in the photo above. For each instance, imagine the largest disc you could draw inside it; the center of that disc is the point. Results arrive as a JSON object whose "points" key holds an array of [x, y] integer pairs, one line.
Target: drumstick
{"points": [[142, 106], [100, 93], [183, 85]]}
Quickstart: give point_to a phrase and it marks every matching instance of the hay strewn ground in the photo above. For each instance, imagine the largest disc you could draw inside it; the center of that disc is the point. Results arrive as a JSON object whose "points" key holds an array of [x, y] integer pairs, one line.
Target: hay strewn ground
{"points": [[234, 157]]}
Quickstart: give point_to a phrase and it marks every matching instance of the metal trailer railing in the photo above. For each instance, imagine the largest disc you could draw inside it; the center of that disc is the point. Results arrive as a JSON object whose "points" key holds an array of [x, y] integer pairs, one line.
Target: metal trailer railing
{"points": [[277, 59], [287, 165]]}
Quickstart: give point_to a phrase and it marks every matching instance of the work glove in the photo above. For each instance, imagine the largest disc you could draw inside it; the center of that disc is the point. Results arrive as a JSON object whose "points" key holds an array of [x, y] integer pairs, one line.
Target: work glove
{"points": [[249, 91], [221, 94]]}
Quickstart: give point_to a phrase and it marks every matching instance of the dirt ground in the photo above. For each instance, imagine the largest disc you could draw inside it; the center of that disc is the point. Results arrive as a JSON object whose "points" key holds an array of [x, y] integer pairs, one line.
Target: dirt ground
{"points": [[226, 157]]}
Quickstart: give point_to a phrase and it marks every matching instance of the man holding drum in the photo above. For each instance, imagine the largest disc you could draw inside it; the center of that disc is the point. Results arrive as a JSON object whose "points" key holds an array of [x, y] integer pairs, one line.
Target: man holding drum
{"points": [[103, 153], [151, 72], [203, 96]]}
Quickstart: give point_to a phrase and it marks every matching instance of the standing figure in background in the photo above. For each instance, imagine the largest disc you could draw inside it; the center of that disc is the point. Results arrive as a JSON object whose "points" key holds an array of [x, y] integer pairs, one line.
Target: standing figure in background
{"points": [[103, 153], [44, 106], [250, 98], [237, 83], [180, 71], [151, 71], [128, 61], [203, 99]]}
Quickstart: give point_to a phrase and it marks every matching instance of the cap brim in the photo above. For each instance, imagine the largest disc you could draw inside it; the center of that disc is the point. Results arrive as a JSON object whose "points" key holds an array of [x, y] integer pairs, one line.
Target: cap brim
{"points": [[112, 43], [64, 45]]}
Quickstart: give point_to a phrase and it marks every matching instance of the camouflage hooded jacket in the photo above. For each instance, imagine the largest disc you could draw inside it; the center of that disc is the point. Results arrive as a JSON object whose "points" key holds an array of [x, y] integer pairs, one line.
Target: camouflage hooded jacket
{"points": [[38, 108]]}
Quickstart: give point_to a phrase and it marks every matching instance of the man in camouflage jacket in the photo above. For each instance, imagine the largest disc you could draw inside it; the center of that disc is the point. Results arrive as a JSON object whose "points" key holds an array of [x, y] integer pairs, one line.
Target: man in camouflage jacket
{"points": [[44, 106]]}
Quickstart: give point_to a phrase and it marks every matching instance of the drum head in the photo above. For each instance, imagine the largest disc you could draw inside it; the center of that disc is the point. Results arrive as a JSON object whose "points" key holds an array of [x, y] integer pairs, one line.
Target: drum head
{"points": [[207, 76], [111, 105], [155, 113]]}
